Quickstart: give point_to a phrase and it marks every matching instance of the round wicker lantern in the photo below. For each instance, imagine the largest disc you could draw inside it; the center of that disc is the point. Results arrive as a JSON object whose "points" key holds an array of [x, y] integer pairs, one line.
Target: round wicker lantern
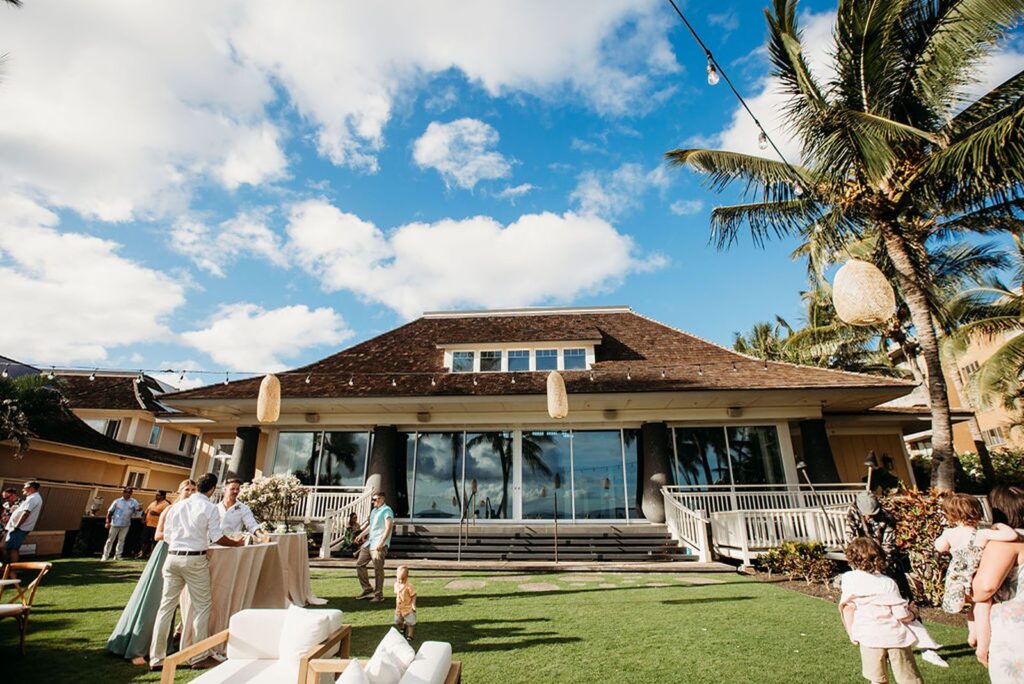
{"points": [[558, 400], [268, 404], [862, 295]]}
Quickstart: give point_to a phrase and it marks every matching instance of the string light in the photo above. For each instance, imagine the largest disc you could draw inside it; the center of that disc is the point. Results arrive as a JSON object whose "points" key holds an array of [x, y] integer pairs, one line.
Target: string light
{"points": [[700, 369], [734, 368], [762, 141], [662, 373], [394, 383], [225, 377], [591, 376], [351, 382], [51, 374], [712, 71], [474, 381], [4, 373], [307, 378], [513, 379], [628, 375], [433, 382], [92, 376]]}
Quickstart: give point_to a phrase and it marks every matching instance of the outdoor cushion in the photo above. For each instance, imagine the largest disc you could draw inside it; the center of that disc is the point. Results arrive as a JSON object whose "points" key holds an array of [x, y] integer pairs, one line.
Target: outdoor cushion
{"points": [[353, 674], [430, 665], [395, 643], [7, 609], [255, 634], [243, 670], [384, 667], [303, 630]]}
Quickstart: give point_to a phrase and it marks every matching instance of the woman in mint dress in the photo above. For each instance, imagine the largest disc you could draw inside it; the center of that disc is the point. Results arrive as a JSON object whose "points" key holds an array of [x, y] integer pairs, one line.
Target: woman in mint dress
{"points": [[1000, 578], [134, 631]]}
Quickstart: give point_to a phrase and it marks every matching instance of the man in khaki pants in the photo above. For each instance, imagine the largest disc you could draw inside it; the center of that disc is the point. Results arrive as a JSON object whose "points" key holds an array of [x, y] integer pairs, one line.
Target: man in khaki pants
{"points": [[189, 526], [378, 539]]}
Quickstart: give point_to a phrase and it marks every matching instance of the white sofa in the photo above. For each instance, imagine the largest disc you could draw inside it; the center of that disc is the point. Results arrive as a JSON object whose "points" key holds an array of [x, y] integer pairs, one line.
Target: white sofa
{"points": [[269, 646], [393, 662]]}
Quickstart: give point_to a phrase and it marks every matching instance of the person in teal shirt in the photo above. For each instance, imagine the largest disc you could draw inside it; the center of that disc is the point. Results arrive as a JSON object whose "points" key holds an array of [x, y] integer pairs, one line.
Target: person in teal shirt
{"points": [[375, 542]]}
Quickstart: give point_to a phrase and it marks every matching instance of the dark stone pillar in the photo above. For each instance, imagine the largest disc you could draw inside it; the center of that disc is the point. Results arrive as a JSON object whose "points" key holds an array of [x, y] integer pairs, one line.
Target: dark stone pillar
{"points": [[821, 466], [243, 455], [655, 469], [386, 470]]}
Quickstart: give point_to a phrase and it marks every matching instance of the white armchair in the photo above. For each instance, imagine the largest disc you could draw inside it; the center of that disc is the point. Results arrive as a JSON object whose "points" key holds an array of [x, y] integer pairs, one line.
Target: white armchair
{"points": [[394, 663], [269, 646]]}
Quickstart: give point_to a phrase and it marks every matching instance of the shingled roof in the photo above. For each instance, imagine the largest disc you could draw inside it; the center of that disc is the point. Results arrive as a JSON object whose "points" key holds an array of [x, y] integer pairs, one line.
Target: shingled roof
{"points": [[635, 354], [120, 391]]}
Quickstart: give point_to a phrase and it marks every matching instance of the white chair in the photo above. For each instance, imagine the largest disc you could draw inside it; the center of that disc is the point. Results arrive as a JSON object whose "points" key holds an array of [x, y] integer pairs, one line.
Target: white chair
{"points": [[395, 661], [269, 646]]}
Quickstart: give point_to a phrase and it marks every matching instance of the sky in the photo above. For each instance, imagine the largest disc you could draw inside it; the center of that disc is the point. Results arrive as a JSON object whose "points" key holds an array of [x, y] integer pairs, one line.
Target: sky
{"points": [[251, 186]]}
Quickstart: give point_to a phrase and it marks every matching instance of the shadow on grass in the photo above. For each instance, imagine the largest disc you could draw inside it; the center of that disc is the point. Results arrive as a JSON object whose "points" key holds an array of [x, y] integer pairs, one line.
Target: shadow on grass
{"points": [[467, 636], [957, 651], [706, 599]]}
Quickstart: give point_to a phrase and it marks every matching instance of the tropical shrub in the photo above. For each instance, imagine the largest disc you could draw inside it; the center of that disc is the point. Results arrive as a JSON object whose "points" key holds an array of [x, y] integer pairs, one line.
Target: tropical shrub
{"points": [[918, 522], [798, 560]]}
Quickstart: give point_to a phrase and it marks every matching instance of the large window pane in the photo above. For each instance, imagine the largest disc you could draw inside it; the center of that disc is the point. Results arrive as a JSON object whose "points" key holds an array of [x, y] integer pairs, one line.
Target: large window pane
{"points": [[489, 467], [462, 362], [756, 456], [410, 472], [597, 467], [296, 454], [701, 456], [574, 359], [438, 475], [519, 360], [545, 454], [547, 359], [343, 461], [631, 447]]}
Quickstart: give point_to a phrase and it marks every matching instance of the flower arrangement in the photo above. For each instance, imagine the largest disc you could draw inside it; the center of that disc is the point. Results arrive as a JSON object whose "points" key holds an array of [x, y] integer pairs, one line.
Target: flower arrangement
{"points": [[272, 498]]}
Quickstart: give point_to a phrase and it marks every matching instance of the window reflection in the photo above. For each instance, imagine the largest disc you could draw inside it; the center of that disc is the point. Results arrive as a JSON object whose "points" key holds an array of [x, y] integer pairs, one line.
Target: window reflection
{"points": [[756, 456], [343, 459], [546, 454], [297, 454], [438, 484], [701, 456], [489, 469], [597, 468], [631, 447]]}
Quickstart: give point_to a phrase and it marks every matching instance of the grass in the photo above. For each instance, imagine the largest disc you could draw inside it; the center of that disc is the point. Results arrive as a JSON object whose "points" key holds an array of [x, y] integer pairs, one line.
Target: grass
{"points": [[616, 629]]}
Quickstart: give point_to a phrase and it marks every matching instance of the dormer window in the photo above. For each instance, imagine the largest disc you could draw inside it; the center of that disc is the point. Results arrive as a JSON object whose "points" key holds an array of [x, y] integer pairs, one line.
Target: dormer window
{"points": [[547, 359], [574, 359], [490, 361], [518, 360], [462, 362]]}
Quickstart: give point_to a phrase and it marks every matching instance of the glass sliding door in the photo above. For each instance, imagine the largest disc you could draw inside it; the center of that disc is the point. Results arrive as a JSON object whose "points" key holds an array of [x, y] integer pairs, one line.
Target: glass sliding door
{"points": [[598, 486], [488, 484], [755, 454], [438, 480], [545, 454], [701, 456], [343, 459], [297, 453]]}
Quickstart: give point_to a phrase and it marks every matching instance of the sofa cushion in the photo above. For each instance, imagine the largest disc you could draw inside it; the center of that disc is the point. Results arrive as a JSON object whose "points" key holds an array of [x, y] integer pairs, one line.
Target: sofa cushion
{"points": [[255, 633], [242, 670], [384, 668], [430, 665], [353, 674], [302, 631]]}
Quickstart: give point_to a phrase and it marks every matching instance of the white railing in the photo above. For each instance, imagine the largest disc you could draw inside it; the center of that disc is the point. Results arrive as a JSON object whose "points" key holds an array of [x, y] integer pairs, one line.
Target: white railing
{"points": [[688, 526], [336, 520], [721, 498], [745, 534]]}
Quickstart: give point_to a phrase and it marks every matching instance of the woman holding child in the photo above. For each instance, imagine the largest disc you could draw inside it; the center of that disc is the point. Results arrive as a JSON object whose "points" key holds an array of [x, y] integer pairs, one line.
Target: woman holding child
{"points": [[1000, 580]]}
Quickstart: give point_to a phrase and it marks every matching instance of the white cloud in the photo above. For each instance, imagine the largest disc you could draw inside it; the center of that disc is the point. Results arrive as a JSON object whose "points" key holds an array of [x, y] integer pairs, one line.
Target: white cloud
{"points": [[727, 21], [69, 297], [182, 380], [687, 207], [470, 262], [213, 249], [514, 192], [256, 158], [610, 194], [461, 151], [246, 337]]}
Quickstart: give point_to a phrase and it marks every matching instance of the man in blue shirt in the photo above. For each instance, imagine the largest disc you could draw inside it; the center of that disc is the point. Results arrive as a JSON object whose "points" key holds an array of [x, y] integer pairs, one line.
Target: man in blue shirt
{"points": [[119, 518], [375, 542]]}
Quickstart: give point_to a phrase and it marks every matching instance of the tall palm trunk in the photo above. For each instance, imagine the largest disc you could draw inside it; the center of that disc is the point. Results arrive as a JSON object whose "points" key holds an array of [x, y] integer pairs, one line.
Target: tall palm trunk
{"points": [[972, 424], [943, 465]]}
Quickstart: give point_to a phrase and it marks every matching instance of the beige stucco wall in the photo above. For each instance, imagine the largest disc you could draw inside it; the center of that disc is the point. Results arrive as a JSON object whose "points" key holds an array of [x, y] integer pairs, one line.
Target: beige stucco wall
{"points": [[850, 450], [978, 351]]}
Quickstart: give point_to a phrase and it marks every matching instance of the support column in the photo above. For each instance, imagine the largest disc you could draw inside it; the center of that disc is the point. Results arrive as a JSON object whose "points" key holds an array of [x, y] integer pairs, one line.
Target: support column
{"points": [[821, 466], [243, 456], [386, 470], [656, 469]]}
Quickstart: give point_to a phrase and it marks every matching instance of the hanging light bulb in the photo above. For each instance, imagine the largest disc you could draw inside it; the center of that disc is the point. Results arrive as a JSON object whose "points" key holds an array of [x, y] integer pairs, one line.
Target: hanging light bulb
{"points": [[226, 378], [798, 190], [181, 378], [474, 381], [4, 373], [513, 379], [762, 141], [663, 374], [50, 375], [734, 368], [394, 383], [307, 378], [712, 72], [351, 382], [700, 369], [629, 375], [92, 376], [433, 382], [591, 376]]}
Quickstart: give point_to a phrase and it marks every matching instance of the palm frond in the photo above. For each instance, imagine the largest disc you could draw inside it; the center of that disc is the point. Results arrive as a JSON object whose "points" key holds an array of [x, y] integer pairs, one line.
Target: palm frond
{"points": [[721, 168]]}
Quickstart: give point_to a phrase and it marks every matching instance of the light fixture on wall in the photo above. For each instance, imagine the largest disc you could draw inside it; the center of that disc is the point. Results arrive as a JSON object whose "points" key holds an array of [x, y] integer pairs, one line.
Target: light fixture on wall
{"points": [[268, 402]]}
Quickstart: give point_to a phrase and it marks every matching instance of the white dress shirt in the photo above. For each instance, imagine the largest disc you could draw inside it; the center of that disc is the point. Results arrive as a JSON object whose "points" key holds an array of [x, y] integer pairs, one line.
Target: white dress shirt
{"points": [[192, 524], [236, 519], [33, 503]]}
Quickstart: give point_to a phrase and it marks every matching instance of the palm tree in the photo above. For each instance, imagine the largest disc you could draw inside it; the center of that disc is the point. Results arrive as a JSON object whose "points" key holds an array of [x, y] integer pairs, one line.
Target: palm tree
{"points": [[24, 400], [890, 143]]}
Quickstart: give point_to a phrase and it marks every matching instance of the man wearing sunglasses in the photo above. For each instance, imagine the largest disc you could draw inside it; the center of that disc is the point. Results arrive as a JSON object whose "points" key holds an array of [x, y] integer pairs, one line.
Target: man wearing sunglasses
{"points": [[375, 541]]}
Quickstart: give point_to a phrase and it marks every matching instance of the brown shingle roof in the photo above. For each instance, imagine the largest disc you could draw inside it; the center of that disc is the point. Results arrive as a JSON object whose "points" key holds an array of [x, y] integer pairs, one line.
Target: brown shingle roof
{"points": [[116, 392], [406, 362]]}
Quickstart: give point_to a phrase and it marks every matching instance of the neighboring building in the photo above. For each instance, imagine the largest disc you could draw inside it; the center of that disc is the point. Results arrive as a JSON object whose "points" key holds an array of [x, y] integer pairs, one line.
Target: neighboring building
{"points": [[447, 414], [81, 466]]}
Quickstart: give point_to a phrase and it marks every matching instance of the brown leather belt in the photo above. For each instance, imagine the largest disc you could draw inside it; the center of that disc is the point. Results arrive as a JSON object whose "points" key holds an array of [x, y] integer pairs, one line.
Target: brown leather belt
{"points": [[187, 553]]}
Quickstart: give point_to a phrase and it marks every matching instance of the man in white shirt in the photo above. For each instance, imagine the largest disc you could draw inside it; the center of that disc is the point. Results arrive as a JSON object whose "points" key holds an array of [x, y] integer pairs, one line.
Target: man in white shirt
{"points": [[189, 525], [23, 520], [235, 516], [119, 519]]}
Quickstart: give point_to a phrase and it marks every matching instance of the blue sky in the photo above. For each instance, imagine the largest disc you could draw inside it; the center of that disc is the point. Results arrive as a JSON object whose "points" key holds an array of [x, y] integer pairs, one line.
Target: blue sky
{"points": [[248, 186]]}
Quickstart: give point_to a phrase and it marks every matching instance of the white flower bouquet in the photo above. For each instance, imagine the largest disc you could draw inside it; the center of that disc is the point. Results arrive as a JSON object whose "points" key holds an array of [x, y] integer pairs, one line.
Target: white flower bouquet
{"points": [[272, 498]]}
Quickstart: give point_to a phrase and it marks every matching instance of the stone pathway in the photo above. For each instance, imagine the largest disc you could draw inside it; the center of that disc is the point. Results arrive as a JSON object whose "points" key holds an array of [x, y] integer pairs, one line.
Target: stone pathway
{"points": [[699, 580], [466, 584], [539, 586]]}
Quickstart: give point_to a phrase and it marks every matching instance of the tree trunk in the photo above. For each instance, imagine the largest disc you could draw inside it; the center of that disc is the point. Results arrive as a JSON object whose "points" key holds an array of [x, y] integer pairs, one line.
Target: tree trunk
{"points": [[943, 464], [972, 424]]}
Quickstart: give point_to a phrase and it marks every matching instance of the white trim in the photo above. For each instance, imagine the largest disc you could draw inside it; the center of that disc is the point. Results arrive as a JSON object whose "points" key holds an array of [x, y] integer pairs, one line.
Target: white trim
{"points": [[528, 311]]}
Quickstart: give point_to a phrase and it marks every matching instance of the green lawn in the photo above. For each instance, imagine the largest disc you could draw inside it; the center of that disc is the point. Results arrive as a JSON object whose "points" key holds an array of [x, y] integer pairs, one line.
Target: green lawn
{"points": [[586, 631]]}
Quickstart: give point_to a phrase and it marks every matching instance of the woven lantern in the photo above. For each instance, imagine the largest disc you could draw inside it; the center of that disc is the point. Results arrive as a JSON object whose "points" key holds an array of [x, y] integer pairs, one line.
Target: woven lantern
{"points": [[862, 294], [268, 404], [558, 400]]}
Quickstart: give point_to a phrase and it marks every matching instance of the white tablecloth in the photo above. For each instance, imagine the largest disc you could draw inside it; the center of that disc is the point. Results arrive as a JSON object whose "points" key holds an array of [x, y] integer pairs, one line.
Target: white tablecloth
{"points": [[293, 550], [240, 577]]}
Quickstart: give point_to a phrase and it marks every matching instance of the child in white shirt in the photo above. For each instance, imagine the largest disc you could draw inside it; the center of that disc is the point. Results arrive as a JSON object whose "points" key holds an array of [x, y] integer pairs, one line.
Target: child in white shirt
{"points": [[876, 616], [965, 542]]}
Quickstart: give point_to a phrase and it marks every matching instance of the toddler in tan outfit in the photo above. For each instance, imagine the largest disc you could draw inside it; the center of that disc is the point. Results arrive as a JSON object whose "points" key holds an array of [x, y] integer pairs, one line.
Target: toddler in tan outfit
{"points": [[405, 603]]}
